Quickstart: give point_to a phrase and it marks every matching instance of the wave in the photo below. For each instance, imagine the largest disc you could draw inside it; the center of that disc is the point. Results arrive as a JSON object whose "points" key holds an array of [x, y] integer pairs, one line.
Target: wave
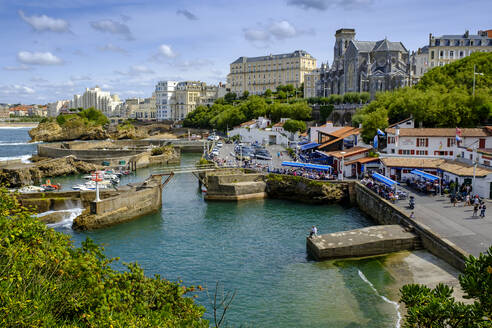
{"points": [[384, 298], [23, 158], [69, 216], [3, 143]]}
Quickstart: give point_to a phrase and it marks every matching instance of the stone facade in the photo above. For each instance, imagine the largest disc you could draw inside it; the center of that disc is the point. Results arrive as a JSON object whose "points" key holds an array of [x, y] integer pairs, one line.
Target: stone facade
{"points": [[365, 66], [257, 74]]}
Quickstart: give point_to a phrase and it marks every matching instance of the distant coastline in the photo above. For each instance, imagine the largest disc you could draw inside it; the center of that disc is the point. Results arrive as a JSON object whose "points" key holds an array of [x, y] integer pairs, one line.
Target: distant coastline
{"points": [[18, 124]]}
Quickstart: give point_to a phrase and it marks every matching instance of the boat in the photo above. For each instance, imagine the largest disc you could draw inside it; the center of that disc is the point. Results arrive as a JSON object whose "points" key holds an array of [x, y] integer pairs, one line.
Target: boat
{"points": [[48, 186], [28, 189]]}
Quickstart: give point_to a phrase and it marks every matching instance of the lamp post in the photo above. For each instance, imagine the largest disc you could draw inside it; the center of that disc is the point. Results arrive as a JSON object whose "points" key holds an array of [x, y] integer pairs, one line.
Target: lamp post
{"points": [[474, 166], [475, 73], [343, 163]]}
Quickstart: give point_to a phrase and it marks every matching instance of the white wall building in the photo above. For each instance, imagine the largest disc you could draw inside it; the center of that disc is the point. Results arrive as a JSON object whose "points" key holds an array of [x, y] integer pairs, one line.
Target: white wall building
{"points": [[164, 91], [258, 131], [435, 142], [109, 104], [55, 107]]}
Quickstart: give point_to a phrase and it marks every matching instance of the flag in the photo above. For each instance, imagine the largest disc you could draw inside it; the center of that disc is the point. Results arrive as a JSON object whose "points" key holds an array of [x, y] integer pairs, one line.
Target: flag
{"points": [[381, 133], [458, 135], [458, 139], [375, 143]]}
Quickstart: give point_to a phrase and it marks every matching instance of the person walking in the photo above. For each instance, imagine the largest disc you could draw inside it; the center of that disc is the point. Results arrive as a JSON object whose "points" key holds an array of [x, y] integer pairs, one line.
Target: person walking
{"points": [[475, 209], [468, 201], [314, 232], [482, 210]]}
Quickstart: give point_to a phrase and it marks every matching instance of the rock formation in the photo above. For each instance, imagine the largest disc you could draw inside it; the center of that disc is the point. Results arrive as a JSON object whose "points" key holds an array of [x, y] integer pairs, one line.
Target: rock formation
{"points": [[34, 173], [304, 190], [52, 131]]}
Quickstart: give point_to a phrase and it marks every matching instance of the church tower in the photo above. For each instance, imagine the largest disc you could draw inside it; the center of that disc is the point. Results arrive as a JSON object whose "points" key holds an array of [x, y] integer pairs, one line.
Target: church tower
{"points": [[342, 39]]}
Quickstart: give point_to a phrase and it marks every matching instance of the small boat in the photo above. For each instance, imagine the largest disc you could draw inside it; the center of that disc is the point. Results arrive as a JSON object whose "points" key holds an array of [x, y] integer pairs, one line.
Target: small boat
{"points": [[204, 189], [28, 189]]}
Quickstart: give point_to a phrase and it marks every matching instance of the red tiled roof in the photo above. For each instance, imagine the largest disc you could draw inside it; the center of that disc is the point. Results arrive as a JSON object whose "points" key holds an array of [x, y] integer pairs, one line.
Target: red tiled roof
{"points": [[441, 132], [347, 152]]}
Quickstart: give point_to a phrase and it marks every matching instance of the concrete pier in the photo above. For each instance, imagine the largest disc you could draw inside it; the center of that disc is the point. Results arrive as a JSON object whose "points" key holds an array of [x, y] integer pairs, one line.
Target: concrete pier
{"points": [[367, 241]]}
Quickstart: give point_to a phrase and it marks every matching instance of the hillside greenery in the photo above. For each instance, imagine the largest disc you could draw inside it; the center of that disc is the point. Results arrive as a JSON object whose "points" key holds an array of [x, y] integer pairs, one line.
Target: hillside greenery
{"points": [[231, 111], [45, 281], [89, 116], [442, 98], [438, 308]]}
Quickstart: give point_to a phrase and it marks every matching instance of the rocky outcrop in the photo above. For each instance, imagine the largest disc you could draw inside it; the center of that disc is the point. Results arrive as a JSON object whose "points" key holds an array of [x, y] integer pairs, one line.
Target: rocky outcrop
{"points": [[305, 190], [52, 131], [34, 173], [129, 131]]}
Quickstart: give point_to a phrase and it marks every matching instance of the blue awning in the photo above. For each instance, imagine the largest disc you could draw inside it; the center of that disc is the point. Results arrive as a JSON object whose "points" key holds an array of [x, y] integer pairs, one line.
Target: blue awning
{"points": [[381, 178], [308, 166], [310, 145], [425, 175]]}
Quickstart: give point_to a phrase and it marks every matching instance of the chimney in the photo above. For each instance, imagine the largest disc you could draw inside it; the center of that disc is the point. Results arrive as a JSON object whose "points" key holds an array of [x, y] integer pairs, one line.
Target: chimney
{"points": [[467, 34]]}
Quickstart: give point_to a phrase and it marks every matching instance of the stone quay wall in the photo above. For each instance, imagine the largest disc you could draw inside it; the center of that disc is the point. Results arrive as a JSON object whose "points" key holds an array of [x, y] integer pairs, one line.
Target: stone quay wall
{"points": [[129, 205], [383, 212], [234, 185]]}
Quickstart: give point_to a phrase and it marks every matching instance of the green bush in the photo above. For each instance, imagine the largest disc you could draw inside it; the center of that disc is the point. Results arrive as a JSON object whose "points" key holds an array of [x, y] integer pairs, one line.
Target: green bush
{"points": [[47, 282]]}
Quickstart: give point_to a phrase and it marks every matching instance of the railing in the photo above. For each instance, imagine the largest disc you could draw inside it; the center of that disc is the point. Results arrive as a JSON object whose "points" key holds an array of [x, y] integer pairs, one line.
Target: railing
{"points": [[191, 169]]}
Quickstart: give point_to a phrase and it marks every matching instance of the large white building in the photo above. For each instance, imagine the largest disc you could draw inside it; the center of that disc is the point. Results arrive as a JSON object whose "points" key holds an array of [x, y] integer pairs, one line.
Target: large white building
{"points": [[164, 91], [109, 104], [55, 107], [174, 100]]}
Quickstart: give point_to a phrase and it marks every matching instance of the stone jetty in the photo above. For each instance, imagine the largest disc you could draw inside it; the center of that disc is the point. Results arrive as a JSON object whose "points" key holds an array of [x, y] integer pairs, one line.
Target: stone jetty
{"points": [[374, 240]]}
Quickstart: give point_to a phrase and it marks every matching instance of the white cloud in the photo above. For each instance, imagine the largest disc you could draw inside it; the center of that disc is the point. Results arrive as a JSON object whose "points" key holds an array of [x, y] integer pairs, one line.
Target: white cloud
{"points": [[21, 67], [255, 34], [283, 30], [195, 64], [166, 51], [80, 78], [136, 70], [113, 27], [113, 48], [17, 89], [38, 58], [325, 4], [278, 30], [45, 23]]}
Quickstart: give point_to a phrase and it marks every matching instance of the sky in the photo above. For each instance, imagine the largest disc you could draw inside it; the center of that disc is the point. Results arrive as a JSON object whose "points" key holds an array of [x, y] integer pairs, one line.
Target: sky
{"points": [[53, 49]]}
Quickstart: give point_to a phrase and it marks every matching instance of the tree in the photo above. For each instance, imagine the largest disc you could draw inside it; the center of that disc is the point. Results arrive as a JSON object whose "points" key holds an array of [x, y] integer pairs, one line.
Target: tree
{"points": [[268, 93], [438, 308], [294, 126], [230, 97], [46, 281], [281, 95], [245, 95], [325, 111]]}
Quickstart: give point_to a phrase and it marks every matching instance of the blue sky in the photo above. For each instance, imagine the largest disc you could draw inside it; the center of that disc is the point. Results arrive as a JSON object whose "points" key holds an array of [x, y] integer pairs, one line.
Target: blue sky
{"points": [[52, 49]]}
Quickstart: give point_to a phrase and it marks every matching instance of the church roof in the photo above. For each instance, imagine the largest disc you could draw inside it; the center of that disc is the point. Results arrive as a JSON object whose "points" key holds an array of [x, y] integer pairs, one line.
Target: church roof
{"points": [[385, 45], [364, 46]]}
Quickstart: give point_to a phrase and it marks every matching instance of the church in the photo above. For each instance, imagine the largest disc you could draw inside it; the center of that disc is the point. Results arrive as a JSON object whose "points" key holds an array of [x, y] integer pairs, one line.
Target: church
{"points": [[364, 66]]}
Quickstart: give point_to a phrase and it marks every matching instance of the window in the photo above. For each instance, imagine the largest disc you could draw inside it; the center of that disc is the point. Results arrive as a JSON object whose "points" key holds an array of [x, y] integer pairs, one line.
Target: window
{"points": [[422, 152], [441, 54], [422, 142], [391, 140], [451, 54], [406, 151], [451, 142], [432, 54]]}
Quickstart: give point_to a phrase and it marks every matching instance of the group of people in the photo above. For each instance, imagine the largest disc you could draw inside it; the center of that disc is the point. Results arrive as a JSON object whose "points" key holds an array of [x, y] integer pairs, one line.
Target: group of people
{"points": [[382, 190], [305, 173], [475, 201], [423, 186]]}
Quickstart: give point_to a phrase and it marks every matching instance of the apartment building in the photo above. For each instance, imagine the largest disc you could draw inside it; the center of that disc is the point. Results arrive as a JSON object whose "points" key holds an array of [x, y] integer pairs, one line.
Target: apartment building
{"points": [[164, 91], [446, 49], [55, 107], [312, 86], [110, 105], [257, 74], [174, 100]]}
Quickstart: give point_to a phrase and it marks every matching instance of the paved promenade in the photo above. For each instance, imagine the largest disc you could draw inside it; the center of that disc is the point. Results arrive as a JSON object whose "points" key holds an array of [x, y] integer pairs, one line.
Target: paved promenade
{"points": [[472, 234], [276, 162]]}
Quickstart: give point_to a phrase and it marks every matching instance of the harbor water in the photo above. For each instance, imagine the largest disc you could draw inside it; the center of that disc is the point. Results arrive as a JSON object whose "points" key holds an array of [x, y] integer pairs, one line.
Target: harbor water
{"points": [[256, 248]]}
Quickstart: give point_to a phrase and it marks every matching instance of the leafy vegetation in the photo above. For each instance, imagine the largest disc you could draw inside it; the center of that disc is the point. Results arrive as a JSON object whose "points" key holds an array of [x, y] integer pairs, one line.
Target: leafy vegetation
{"points": [[89, 116], [294, 126], [347, 98], [229, 112], [161, 150], [443, 98], [47, 282], [438, 308]]}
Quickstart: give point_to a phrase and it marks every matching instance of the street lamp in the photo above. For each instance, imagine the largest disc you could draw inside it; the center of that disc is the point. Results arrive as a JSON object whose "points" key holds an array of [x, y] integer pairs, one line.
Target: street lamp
{"points": [[475, 162], [343, 162], [475, 73]]}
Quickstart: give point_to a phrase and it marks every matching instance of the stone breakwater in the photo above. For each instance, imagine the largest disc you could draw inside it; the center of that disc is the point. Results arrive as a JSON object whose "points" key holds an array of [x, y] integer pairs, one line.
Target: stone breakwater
{"points": [[18, 175]]}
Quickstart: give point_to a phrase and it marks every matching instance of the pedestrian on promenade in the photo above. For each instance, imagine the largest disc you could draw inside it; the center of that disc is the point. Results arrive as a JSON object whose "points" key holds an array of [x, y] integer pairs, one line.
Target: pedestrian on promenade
{"points": [[468, 201], [278, 154], [412, 215], [482, 210], [475, 209], [454, 200], [314, 232]]}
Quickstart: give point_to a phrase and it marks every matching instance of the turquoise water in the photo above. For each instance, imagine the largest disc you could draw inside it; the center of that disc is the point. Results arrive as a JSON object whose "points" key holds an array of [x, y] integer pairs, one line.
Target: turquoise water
{"points": [[256, 248]]}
